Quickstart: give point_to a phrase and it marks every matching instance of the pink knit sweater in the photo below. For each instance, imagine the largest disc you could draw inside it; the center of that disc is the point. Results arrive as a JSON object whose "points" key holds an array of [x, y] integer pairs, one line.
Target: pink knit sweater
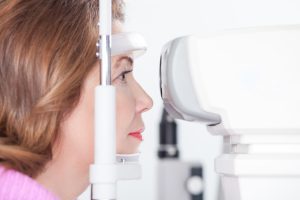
{"points": [[17, 186]]}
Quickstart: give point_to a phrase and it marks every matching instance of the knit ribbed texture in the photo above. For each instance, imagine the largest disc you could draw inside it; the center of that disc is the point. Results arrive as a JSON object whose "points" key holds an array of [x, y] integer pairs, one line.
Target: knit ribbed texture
{"points": [[17, 186]]}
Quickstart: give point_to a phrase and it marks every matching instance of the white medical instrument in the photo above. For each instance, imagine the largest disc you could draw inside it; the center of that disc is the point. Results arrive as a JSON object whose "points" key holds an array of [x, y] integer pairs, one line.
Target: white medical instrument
{"points": [[108, 166], [244, 84]]}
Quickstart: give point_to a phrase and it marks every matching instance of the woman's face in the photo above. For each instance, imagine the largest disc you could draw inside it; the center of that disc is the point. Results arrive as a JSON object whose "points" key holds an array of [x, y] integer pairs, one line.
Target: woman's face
{"points": [[78, 128], [74, 151], [76, 144], [131, 102]]}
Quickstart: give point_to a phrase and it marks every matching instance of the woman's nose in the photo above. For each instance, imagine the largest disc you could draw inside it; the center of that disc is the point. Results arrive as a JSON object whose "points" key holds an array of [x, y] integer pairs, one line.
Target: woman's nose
{"points": [[143, 101]]}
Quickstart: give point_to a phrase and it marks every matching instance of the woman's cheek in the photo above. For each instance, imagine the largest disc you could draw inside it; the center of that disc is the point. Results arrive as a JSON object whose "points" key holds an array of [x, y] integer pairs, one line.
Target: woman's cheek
{"points": [[125, 115]]}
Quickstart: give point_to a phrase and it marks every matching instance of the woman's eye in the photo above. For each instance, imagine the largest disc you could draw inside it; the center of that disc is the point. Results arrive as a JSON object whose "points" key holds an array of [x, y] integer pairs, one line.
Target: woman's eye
{"points": [[123, 75]]}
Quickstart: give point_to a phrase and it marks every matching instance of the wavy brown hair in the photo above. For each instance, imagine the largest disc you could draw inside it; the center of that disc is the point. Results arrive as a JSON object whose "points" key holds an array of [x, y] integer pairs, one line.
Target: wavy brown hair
{"points": [[47, 49]]}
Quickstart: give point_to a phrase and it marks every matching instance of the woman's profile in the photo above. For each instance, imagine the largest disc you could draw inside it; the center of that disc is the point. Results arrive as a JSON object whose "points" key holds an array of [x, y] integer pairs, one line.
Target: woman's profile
{"points": [[48, 72]]}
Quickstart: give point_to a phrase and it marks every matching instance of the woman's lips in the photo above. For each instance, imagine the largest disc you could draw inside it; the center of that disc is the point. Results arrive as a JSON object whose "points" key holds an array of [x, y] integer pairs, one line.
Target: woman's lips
{"points": [[137, 135]]}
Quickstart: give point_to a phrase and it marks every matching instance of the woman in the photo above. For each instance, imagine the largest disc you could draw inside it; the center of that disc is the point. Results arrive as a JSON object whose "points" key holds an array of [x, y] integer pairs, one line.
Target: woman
{"points": [[48, 72]]}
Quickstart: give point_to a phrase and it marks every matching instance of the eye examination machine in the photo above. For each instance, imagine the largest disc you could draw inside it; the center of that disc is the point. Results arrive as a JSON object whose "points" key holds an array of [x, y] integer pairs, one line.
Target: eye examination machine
{"points": [[244, 86]]}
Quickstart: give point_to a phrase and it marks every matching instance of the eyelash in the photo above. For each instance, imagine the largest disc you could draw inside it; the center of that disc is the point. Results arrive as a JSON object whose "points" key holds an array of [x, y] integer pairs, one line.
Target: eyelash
{"points": [[123, 76]]}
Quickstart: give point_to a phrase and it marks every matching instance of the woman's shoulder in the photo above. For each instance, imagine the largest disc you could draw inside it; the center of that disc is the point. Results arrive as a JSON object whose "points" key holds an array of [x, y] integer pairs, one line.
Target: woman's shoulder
{"points": [[18, 186]]}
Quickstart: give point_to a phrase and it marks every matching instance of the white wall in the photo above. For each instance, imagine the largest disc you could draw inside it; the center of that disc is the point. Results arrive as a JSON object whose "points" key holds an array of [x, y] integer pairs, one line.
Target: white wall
{"points": [[162, 20]]}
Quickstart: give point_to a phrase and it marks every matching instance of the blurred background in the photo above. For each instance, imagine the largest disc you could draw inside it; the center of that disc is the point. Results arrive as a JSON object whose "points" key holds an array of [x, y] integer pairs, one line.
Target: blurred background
{"points": [[160, 21]]}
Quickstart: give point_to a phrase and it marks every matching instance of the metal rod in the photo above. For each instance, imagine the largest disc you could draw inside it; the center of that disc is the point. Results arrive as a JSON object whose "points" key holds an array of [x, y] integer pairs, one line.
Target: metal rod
{"points": [[105, 72], [103, 173]]}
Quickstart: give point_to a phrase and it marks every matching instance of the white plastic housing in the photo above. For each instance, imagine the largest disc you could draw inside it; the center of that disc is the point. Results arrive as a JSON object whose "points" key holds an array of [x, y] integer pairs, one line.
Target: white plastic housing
{"points": [[259, 177], [103, 173], [250, 77]]}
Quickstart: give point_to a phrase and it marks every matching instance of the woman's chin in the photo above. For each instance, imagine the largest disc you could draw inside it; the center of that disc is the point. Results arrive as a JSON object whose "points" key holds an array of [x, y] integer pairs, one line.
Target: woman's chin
{"points": [[131, 147]]}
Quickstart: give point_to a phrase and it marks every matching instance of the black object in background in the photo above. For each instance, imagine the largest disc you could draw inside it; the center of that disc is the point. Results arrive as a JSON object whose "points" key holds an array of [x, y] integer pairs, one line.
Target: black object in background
{"points": [[167, 137]]}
